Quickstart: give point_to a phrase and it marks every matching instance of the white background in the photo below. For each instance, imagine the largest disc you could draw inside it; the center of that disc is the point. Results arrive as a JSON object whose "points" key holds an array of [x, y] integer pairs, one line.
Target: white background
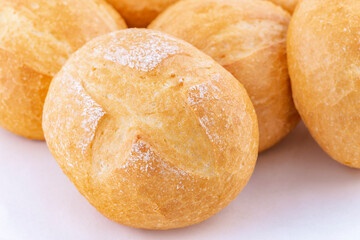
{"points": [[296, 192]]}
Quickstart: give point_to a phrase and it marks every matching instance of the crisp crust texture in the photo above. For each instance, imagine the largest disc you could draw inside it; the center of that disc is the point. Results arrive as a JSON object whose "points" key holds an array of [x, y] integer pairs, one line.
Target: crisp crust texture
{"points": [[154, 133], [36, 38], [248, 38], [324, 62], [288, 5], [139, 13]]}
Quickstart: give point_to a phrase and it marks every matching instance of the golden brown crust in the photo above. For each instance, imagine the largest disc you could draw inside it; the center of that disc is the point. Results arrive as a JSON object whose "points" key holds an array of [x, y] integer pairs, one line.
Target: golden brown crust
{"points": [[139, 13], [248, 38], [19, 97], [288, 5], [152, 131], [324, 66], [36, 38]]}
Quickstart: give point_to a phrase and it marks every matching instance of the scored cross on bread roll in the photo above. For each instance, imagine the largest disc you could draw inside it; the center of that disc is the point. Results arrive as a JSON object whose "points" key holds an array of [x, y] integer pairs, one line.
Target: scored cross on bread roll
{"points": [[154, 133], [248, 38]]}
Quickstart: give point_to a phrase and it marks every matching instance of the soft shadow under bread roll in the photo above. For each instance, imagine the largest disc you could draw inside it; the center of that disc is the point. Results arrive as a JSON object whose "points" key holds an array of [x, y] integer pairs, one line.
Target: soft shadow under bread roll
{"points": [[139, 13], [36, 38], [154, 133], [248, 38], [324, 63]]}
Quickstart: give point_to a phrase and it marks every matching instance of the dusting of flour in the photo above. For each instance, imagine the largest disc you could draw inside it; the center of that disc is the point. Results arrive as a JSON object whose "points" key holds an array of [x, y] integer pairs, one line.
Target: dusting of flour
{"points": [[91, 113], [83, 108], [139, 50], [199, 97], [141, 153]]}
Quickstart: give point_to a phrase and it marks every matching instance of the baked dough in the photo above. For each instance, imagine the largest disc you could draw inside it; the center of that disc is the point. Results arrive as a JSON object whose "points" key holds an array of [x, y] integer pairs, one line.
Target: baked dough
{"points": [[36, 38], [248, 38], [288, 5], [139, 13], [154, 133], [324, 61]]}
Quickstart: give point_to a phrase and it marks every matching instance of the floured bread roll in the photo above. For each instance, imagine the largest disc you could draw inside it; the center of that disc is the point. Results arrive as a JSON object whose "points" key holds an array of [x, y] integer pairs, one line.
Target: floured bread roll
{"points": [[288, 5], [324, 62], [153, 132], [36, 38], [139, 13], [248, 38]]}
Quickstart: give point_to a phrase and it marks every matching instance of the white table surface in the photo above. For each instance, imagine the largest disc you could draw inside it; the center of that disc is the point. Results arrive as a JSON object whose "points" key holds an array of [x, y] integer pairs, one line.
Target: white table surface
{"points": [[296, 192]]}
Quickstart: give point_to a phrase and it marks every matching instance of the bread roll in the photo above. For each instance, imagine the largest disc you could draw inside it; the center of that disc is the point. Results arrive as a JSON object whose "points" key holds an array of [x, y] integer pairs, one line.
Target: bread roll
{"points": [[139, 13], [153, 132], [288, 5], [36, 38], [248, 38], [324, 61]]}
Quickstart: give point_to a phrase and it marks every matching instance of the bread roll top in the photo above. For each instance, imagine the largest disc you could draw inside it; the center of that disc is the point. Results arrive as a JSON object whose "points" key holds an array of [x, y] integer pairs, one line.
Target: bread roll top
{"points": [[152, 131]]}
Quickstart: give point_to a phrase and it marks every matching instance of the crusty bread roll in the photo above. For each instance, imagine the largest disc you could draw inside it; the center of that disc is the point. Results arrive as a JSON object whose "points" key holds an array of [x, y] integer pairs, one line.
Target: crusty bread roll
{"points": [[248, 38], [139, 13], [154, 133], [36, 38], [288, 5], [324, 61]]}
